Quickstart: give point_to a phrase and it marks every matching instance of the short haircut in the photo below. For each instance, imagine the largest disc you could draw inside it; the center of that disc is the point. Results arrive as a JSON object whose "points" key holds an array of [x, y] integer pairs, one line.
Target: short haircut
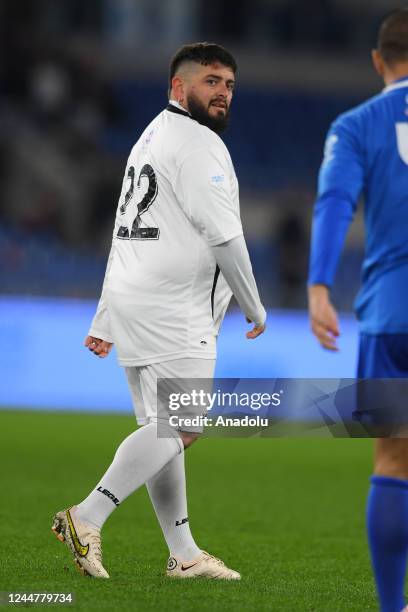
{"points": [[393, 37], [201, 53]]}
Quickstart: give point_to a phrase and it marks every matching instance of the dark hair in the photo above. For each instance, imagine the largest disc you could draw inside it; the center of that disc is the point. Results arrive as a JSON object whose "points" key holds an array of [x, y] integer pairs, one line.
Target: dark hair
{"points": [[393, 37], [201, 53]]}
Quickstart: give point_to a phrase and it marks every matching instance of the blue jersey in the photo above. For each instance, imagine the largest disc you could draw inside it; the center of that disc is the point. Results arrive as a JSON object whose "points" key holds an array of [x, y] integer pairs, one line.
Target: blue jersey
{"points": [[366, 153]]}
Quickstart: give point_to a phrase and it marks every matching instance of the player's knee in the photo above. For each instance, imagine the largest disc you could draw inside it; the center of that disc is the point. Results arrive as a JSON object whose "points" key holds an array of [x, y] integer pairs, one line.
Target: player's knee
{"points": [[391, 457], [188, 438]]}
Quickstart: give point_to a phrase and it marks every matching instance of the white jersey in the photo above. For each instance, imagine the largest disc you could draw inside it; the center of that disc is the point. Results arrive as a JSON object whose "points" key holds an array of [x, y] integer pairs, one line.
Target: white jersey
{"points": [[164, 297]]}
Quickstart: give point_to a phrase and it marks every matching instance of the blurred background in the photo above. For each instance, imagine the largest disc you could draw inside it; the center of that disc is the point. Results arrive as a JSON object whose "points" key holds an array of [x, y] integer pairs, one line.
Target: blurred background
{"points": [[79, 81]]}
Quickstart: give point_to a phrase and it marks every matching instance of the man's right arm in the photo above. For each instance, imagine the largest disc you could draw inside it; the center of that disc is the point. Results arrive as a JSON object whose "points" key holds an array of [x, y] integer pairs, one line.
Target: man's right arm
{"points": [[100, 326]]}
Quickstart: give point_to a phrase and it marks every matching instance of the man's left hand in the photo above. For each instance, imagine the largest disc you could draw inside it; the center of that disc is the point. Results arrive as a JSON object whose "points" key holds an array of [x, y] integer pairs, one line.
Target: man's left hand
{"points": [[256, 331]]}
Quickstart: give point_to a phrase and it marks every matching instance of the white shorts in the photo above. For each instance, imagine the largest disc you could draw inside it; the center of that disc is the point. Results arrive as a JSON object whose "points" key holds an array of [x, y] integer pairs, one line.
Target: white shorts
{"points": [[142, 381]]}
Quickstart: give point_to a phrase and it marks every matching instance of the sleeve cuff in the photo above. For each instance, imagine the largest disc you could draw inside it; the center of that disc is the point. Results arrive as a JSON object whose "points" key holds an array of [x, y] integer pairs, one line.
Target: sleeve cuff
{"points": [[97, 333], [225, 238]]}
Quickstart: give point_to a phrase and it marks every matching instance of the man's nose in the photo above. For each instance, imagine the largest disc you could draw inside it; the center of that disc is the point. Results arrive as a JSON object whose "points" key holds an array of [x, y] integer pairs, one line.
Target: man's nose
{"points": [[222, 89]]}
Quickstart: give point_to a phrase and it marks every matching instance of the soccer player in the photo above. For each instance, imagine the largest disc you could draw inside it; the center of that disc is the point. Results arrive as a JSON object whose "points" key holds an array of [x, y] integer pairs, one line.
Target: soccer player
{"points": [[178, 253], [367, 152]]}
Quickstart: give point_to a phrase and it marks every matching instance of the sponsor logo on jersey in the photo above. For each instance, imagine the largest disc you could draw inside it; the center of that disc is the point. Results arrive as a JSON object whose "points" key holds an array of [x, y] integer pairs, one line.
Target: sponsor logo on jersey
{"points": [[147, 140], [109, 494], [149, 137], [218, 178], [80, 549]]}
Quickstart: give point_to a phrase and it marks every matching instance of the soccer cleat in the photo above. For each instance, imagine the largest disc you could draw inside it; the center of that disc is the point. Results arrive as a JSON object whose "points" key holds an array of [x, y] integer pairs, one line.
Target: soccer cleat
{"points": [[205, 566], [83, 541]]}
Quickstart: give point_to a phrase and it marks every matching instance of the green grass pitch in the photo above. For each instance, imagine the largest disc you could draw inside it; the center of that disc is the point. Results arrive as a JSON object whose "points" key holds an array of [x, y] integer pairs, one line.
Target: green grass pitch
{"points": [[287, 513]]}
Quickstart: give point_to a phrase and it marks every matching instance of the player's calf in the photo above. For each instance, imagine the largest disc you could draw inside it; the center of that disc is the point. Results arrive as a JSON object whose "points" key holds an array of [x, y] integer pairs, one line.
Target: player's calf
{"points": [[391, 457], [188, 438]]}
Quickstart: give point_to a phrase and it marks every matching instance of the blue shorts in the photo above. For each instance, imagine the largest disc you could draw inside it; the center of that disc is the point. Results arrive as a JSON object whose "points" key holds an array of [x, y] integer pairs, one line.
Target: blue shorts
{"points": [[381, 404], [383, 356]]}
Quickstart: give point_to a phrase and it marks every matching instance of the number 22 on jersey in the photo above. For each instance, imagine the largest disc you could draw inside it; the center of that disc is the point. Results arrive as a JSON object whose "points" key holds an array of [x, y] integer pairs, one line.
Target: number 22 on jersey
{"points": [[138, 231]]}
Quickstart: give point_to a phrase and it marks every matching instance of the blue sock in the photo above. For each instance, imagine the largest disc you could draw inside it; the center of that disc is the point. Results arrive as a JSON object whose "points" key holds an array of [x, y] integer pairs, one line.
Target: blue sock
{"points": [[387, 527]]}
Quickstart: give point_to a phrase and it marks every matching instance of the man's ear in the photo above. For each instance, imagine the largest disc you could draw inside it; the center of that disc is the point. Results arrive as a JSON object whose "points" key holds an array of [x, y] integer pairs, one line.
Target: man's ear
{"points": [[378, 62], [177, 86]]}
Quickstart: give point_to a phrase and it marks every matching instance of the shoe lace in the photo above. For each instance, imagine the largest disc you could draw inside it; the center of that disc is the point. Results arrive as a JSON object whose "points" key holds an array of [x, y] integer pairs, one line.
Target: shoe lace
{"points": [[217, 561], [95, 540]]}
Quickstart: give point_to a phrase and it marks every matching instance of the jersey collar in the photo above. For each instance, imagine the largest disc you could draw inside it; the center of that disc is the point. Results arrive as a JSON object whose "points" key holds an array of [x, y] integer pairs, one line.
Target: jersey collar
{"points": [[175, 107], [398, 84]]}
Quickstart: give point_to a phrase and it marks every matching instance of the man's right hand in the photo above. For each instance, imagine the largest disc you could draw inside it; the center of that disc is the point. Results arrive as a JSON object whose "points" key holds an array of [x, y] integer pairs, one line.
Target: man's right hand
{"points": [[100, 348], [323, 317]]}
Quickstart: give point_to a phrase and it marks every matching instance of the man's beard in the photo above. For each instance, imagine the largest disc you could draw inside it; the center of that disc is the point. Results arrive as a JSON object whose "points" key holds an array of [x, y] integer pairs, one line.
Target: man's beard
{"points": [[217, 123]]}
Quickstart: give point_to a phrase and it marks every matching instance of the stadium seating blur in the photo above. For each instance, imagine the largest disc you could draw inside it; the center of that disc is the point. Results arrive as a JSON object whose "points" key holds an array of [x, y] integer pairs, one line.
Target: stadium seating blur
{"points": [[79, 81]]}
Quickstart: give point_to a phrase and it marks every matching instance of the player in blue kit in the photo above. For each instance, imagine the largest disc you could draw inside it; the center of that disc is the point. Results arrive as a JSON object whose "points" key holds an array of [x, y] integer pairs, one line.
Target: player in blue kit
{"points": [[366, 153]]}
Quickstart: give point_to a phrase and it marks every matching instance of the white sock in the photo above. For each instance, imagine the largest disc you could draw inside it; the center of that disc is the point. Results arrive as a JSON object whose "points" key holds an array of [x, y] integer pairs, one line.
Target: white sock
{"points": [[167, 491], [140, 456]]}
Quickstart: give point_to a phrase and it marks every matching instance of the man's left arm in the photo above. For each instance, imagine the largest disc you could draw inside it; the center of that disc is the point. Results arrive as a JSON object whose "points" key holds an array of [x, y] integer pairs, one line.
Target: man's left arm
{"points": [[340, 182], [233, 260], [204, 185]]}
